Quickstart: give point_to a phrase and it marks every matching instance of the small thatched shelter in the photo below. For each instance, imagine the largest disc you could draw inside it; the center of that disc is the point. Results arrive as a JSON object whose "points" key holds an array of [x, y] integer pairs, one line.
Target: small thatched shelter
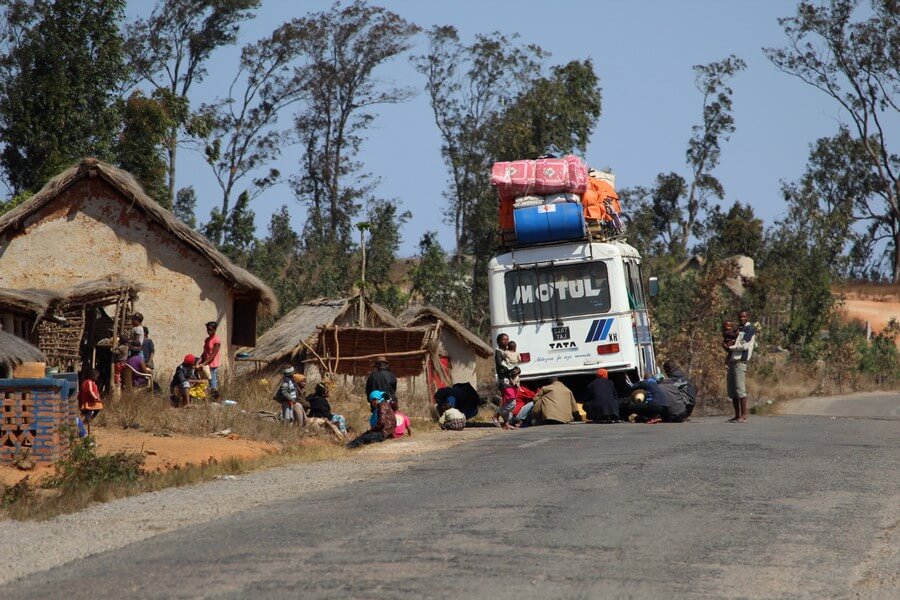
{"points": [[290, 339], [458, 349], [93, 222], [14, 351], [21, 310]]}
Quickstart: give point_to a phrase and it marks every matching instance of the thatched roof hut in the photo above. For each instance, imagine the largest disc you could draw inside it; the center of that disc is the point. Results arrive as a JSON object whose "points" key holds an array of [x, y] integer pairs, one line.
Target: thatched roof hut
{"points": [[417, 316], [124, 182], [294, 333], [92, 224], [31, 302], [457, 348], [14, 351]]}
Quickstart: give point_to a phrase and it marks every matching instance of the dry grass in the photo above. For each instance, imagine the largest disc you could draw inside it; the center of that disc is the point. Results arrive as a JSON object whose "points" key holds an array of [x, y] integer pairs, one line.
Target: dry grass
{"points": [[33, 503], [247, 419]]}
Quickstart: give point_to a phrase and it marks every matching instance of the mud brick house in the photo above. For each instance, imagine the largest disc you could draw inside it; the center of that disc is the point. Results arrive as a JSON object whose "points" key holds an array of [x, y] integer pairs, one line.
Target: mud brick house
{"points": [[92, 227], [458, 349]]}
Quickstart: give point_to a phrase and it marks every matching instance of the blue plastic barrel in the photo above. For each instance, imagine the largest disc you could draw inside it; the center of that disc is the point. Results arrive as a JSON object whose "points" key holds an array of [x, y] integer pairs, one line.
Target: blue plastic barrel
{"points": [[549, 223]]}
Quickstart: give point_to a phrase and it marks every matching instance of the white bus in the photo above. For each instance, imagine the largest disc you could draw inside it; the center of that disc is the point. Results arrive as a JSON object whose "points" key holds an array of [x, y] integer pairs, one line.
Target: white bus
{"points": [[573, 308]]}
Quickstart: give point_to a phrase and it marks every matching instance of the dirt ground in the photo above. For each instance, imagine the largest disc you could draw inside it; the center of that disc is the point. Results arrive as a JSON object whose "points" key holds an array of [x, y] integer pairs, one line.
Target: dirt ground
{"points": [[161, 453], [877, 305]]}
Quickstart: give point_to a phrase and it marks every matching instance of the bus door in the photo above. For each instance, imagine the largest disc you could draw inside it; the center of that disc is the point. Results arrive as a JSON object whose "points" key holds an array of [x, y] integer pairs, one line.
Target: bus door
{"points": [[640, 322]]}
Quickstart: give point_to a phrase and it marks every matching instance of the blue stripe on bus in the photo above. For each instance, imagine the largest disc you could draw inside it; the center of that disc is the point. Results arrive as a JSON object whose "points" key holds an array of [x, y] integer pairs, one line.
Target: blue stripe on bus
{"points": [[606, 327], [591, 332]]}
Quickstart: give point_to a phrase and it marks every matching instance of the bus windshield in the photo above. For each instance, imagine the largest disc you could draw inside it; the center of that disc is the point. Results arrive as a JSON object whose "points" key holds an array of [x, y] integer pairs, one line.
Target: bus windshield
{"points": [[551, 292]]}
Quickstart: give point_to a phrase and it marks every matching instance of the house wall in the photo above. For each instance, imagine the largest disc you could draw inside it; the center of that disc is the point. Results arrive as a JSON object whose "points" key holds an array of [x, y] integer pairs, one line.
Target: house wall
{"points": [[91, 232], [462, 358]]}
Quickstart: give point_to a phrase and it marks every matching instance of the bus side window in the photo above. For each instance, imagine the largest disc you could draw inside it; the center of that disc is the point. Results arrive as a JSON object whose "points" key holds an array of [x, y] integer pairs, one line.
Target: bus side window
{"points": [[635, 292]]}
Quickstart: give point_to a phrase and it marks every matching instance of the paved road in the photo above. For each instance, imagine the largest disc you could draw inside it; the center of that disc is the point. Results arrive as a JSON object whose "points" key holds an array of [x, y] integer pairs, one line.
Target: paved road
{"points": [[865, 405], [783, 507]]}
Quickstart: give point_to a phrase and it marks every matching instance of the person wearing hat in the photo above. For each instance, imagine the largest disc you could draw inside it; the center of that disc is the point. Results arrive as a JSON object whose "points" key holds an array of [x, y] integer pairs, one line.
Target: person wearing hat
{"points": [[602, 405], [182, 380], [289, 394], [382, 379], [212, 357]]}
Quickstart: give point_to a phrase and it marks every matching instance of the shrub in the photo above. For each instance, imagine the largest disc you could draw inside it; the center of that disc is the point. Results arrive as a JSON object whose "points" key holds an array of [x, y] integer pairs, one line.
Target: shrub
{"points": [[83, 466]]}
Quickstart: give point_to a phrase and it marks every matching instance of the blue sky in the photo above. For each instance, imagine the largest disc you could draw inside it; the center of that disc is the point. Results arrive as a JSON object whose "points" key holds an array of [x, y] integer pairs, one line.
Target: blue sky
{"points": [[643, 52]]}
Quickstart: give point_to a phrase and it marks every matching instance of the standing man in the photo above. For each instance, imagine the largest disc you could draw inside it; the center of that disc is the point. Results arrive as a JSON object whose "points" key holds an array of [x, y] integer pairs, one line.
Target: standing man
{"points": [[212, 355], [740, 353], [382, 379]]}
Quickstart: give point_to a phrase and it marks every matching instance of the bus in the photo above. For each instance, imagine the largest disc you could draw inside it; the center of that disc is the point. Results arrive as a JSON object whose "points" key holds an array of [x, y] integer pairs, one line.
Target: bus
{"points": [[573, 308]]}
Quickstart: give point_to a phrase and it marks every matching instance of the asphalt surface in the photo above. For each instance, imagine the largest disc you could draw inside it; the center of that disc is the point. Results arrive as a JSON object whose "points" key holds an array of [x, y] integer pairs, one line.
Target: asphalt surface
{"points": [[782, 507]]}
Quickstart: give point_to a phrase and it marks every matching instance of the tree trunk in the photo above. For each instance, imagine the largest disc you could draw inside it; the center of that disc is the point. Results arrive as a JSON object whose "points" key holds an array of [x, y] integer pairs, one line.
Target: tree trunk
{"points": [[173, 150], [896, 257]]}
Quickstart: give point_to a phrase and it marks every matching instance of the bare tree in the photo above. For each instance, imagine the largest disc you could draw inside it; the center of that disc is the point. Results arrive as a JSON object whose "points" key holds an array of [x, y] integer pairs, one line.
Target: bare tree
{"points": [[857, 64], [170, 48], [469, 87], [240, 129]]}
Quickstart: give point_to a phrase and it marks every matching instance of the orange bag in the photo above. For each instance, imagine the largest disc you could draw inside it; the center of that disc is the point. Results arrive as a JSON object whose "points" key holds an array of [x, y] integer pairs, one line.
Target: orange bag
{"points": [[599, 200], [506, 214]]}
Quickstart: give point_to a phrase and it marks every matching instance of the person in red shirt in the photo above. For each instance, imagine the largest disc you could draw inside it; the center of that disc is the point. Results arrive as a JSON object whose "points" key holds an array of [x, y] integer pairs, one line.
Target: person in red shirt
{"points": [[89, 399], [212, 355]]}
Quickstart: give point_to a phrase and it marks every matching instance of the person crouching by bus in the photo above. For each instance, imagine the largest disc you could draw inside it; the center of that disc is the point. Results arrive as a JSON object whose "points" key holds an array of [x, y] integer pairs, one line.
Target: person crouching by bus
{"points": [[602, 405], [555, 404], [658, 405], [89, 399], [382, 424]]}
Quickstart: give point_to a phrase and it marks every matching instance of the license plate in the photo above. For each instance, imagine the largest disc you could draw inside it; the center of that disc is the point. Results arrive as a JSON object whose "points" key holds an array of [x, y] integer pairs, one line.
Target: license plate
{"points": [[560, 333]]}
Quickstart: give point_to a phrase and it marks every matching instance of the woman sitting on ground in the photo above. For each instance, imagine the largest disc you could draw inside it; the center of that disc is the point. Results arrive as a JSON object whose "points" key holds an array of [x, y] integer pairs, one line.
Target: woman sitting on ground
{"points": [[320, 408]]}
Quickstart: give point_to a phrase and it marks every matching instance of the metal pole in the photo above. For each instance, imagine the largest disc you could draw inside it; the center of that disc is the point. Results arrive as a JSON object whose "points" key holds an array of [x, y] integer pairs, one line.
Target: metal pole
{"points": [[362, 285]]}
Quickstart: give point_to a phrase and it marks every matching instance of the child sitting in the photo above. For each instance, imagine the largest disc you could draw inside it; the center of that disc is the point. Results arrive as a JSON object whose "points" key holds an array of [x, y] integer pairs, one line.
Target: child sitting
{"points": [[451, 418], [287, 396], [404, 425], [89, 399], [729, 336]]}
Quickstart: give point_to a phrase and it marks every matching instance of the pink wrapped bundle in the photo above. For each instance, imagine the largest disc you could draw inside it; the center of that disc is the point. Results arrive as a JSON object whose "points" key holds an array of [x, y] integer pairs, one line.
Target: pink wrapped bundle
{"points": [[540, 177]]}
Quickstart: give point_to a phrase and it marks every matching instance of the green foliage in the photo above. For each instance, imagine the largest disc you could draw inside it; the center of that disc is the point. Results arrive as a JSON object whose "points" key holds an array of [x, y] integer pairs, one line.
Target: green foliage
{"points": [[140, 148], [240, 131], [384, 224], [170, 48], [437, 282], [275, 260], [83, 466], [238, 231], [687, 319], [62, 67], [18, 493], [15, 201], [737, 232], [673, 209], [344, 47], [559, 111], [879, 358], [186, 206], [469, 87]]}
